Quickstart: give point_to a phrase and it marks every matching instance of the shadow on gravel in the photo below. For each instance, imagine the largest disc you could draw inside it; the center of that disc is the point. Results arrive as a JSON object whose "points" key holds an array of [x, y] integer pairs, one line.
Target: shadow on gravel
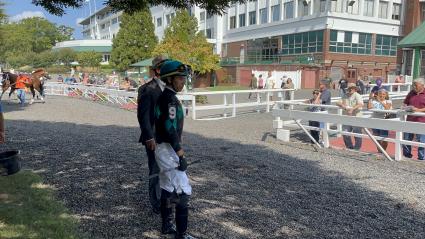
{"points": [[240, 191]]}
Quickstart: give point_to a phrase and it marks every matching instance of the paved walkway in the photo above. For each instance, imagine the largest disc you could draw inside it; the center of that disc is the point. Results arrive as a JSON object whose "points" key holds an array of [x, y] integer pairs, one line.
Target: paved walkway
{"points": [[248, 184]]}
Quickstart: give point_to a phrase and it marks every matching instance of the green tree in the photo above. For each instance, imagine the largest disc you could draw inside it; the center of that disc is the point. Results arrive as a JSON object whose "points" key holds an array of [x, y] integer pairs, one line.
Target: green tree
{"points": [[58, 7], [30, 35], [45, 59], [91, 59], [183, 42], [134, 41], [66, 56]]}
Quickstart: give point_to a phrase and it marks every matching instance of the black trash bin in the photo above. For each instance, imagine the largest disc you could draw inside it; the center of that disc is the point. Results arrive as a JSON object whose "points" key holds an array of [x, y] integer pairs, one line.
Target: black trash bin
{"points": [[9, 162]]}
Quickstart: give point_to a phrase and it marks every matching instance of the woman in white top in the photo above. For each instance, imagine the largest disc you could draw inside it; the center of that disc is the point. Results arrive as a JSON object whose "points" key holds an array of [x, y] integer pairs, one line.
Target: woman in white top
{"points": [[380, 102]]}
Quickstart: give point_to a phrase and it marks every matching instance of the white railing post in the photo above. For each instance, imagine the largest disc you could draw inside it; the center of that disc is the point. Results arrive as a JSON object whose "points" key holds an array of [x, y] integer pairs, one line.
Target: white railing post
{"points": [[224, 104], [325, 135], [268, 102], [292, 97], [258, 102], [339, 126], [234, 104], [194, 107], [398, 147]]}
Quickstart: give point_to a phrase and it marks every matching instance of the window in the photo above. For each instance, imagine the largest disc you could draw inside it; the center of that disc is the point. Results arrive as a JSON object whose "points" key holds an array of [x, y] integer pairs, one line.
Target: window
{"points": [[276, 13], [232, 22], [369, 5], [168, 18], [300, 43], [252, 18], [209, 33], [386, 45], [241, 20], [202, 16], [114, 21], [263, 49], [159, 22], [319, 6], [289, 10], [383, 9], [337, 6], [172, 15], [350, 42], [303, 9], [397, 9], [209, 15], [263, 15], [353, 7]]}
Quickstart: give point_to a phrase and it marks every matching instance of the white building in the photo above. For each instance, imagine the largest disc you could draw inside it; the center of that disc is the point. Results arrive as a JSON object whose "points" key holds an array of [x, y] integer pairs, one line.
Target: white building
{"points": [[102, 24]]}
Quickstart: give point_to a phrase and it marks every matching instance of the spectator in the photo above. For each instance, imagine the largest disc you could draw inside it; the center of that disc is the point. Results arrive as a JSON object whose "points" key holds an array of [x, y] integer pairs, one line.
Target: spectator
{"points": [[126, 84], [360, 85], [260, 82], [380, 102], [316, 101], [289, 85], [325, 95], [342, 85], [399, 79], [270, 83], [415, 101], [369, 81], [376, 88], [352, 104], [252, 84]]}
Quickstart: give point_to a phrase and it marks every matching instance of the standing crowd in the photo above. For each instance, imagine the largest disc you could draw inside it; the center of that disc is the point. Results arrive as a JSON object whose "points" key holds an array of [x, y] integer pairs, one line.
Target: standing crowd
{"points": [[352, 104]]}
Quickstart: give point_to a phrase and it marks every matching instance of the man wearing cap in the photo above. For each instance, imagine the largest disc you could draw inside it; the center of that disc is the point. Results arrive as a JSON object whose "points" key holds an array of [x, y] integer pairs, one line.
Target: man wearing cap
{"points": [[352, 104], [173, 180], [147, 96]]}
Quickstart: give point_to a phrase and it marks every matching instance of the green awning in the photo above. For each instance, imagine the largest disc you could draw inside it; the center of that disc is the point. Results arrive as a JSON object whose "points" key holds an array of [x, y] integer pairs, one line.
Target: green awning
{"points": [[144, 63], [415, 38]]}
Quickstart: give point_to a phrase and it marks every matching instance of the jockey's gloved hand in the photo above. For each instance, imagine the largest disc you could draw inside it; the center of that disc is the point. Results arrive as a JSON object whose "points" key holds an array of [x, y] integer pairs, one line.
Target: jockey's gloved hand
{"points": [[182, 163]]}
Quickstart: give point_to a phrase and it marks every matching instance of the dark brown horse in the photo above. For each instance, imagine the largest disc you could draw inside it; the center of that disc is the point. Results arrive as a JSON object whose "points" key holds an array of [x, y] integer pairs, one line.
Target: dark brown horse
{"points": [[36, 83]]}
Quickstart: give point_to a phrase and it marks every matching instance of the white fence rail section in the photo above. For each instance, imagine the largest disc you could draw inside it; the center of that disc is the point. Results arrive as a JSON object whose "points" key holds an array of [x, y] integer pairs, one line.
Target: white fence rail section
{"points": [[333, 115], [123, 97], [229, 100]]}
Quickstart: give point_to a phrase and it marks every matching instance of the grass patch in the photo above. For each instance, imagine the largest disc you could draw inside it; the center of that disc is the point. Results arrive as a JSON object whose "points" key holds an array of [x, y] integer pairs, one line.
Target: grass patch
{"points": [[28, 209], [227, 87]]}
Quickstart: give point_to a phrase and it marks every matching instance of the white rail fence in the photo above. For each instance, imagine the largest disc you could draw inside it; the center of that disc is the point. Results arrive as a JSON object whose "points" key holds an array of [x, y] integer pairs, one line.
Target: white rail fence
{"points": [[123, 97], [333, 116]]}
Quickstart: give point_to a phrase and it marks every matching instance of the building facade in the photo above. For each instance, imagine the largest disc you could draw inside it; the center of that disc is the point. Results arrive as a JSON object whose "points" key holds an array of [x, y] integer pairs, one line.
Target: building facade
{"points": [[334, 38], [104, 47], [414, 18], [103, 24]]}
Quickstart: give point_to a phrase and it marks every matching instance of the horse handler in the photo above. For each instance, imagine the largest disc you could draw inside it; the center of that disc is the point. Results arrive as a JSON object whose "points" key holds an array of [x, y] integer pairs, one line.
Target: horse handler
{"points": [[173, 180], [20, 88]]}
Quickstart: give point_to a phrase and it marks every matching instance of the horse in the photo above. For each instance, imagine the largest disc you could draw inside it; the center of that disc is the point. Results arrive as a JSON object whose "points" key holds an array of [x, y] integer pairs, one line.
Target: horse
{"points": [[36, 83]]}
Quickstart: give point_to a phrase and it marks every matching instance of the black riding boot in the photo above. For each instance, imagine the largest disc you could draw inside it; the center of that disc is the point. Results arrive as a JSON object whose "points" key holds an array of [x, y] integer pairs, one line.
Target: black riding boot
{"points": [[182, 217], [166, 215]]}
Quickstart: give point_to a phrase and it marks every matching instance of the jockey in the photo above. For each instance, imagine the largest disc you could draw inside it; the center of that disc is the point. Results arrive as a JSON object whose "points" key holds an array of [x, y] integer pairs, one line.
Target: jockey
{"points": [[20, 87]]}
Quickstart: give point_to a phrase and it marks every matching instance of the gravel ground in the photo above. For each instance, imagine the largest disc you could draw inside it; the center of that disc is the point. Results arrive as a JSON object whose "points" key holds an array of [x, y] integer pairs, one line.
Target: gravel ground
{"points": [[248, 185]]}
